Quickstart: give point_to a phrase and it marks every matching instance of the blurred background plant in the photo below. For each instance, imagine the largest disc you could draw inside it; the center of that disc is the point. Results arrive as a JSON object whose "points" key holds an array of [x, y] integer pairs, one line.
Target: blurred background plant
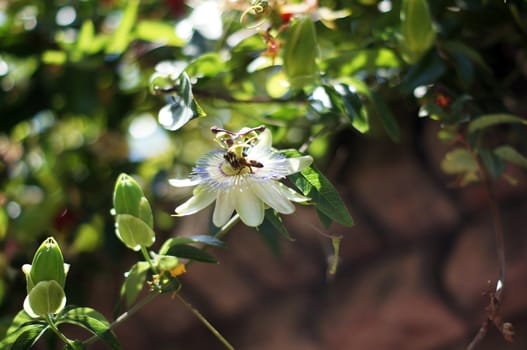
{"points": [[90, 89]]}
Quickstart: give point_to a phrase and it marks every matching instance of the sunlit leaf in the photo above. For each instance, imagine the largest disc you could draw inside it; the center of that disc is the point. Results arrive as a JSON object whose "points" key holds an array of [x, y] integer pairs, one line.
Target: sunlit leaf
{"points": [[158, 32], [134, 232], [203, 239], [206, 65], [4, 222], [54, 57], [121, 37], [348, 103], [313, 184], [91, 320], [24, 337], [190, 252], [134, 281], [85, 39]]}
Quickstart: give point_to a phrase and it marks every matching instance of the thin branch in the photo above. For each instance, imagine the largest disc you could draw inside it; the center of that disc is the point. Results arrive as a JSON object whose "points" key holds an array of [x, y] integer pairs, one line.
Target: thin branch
{"points": [[207, 324], [496, 295]]}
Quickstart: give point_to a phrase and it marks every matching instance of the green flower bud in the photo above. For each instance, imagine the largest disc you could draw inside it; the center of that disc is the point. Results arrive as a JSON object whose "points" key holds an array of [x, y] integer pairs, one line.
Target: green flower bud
{"points": [[133, 232], [48, 265], [417, 30], [46, 297], [128, 198], [300, 53]]}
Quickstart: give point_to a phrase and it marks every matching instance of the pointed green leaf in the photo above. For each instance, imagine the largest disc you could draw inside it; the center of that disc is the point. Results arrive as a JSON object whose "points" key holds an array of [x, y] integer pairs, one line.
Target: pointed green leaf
{"points": [[492, 162], [134, 281], [122, 36], [134, 232], [190, 252], [176, 114], [387, 118], [273, 218], [24, 337], [269, 235], [158, 32], [459, 161], [488, 120], [22, 319], [92, 321], [207, 65], [511, 155], [85, 39], [325, 197], [204, 239]]}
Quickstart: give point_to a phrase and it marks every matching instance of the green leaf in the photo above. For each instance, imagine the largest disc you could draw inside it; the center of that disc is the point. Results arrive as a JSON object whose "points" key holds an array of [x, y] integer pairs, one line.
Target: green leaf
{"points": [[134, 281], [335, 243], [348, 103], [4, 223], [21, 320], [427, 71], [204, 239], [92, 321], [207, 65], [190, 252], [488, 120], [269, 235], [325, 197], [85, 40], [387, 118], [274, 219], [121, 37], [459, 161], [182, 108], [492, 162], [511, 155], [54, 57], [134, 232], [158, 32], [24, 337]]}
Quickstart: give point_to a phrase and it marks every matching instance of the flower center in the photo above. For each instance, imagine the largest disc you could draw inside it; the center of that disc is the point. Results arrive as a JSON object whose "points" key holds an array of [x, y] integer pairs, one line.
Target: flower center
{"points": [[236, 163]]}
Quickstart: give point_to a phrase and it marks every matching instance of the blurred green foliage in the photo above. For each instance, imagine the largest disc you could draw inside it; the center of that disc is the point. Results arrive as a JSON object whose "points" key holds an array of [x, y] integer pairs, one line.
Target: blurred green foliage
{"points": [[90, 89]]}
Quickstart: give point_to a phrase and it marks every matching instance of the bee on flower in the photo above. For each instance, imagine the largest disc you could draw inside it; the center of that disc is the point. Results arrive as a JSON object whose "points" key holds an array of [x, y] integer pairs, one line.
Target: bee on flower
{"points": [[243, 176]]}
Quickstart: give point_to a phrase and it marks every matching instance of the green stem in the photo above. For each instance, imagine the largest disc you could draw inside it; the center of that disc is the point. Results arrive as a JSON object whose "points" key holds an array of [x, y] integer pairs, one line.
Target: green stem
{"points": [[147, 258], [227, 227], [207, 324], [55, 329]]}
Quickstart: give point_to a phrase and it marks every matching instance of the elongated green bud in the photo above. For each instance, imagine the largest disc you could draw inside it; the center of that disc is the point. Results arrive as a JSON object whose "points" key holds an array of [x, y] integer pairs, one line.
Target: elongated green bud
{"points": [[47, 297], [128, 198], [417, 30], [300, 53], [48, 265]]}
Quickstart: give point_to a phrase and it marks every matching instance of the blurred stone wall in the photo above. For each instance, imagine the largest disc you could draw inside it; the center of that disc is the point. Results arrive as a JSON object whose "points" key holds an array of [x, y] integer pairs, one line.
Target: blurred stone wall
{"points": [[411, 274]]}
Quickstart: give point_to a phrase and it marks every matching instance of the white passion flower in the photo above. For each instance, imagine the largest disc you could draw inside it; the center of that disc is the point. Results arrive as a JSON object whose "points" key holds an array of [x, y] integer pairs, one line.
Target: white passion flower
{"points": [[243, 177]]}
